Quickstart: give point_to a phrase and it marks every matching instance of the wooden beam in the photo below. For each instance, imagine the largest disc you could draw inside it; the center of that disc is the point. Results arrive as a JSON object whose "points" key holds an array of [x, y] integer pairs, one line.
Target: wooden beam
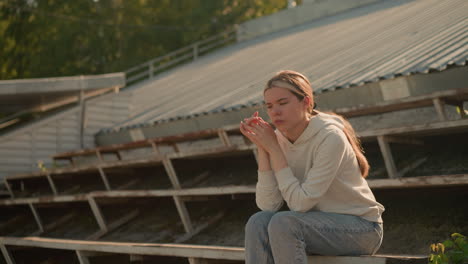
{"points": [[412, 166], [200, 228], [7, 185], [97, 214], [12, 221], [440, 108], [99, 156], [175, 147], [197, 179], [154, 146], [116, 224], [127, 184], [117, 154], [171, 172], [104, 178], [36, 217], [72, 161], [72, 189], [82, 258], [223, 136], [194, 261], [60, 221], [7, 255], [183, 213], [51, 183], [388, 158]]}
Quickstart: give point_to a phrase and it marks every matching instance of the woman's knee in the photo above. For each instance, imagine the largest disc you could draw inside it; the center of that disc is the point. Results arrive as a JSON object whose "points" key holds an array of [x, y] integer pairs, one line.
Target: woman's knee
{"points": [[258, 221], [284, 223]]}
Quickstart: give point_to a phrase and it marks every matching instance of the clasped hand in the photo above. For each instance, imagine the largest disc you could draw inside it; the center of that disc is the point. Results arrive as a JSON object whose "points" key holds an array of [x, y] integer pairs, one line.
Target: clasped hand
{"points": [[259, 132]]}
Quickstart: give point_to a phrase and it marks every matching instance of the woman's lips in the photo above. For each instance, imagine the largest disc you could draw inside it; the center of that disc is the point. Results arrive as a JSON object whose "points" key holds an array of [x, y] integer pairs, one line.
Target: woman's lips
{"points": [[278, 122]]}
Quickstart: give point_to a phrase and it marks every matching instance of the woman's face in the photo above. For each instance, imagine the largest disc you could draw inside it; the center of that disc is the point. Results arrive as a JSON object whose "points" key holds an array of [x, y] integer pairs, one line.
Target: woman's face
{"points": [[284, 108]]}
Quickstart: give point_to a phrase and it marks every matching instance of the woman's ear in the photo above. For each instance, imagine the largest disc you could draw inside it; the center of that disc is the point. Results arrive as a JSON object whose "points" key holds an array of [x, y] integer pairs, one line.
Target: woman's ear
{"points": [[307, 101]]}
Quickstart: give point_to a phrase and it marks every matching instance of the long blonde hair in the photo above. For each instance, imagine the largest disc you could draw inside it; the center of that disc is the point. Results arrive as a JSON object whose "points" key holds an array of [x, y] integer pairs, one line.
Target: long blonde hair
{"points": [[301, 88]]}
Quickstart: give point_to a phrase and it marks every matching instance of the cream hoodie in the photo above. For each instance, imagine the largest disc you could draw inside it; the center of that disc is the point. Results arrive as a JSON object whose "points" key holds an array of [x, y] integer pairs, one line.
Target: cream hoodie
{"points": [[323, 174]]}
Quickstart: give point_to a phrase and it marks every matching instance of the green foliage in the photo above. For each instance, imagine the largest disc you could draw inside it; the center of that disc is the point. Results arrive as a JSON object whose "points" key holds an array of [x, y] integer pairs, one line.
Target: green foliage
{"points": [[47, 38], [451, 251]]}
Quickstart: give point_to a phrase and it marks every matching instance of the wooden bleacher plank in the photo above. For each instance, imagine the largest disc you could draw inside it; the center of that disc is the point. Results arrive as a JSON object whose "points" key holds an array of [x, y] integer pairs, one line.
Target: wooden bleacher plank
{"points": [[133, 193], [403, 103], [226, 190], [436, 98], [430, 128], [155, 249], [141, 143], [87, 168], [179, 250], [423, 129], [45, 199], [422, 181], [210, 151], [404, 182]]}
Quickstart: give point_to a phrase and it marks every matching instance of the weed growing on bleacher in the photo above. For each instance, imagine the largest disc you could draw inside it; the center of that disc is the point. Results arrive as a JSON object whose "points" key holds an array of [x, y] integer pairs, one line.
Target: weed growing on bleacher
{"points": [[451, 251]]}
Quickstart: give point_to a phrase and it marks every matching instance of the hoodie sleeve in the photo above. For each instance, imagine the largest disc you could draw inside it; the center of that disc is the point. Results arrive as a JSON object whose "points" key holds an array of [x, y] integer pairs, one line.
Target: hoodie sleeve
{"points": [[267, 195], [330, 155]]}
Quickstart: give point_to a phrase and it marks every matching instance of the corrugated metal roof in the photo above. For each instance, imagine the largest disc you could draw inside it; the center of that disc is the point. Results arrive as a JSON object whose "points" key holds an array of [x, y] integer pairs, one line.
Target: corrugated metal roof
{"points": [[380, 41]]}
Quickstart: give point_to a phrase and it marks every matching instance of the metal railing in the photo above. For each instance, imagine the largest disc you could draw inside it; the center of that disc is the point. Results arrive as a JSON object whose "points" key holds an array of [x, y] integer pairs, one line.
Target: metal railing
{"points": [[154, 66]]}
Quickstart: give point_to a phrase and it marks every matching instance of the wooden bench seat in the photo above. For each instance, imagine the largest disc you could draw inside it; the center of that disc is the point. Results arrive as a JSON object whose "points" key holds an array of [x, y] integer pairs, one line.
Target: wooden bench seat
{"points": [[193, 252]]}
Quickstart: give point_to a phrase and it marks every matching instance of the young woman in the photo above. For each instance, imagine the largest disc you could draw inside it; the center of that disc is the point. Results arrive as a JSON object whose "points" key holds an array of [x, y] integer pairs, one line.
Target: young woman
{"points": [[314, 162]]}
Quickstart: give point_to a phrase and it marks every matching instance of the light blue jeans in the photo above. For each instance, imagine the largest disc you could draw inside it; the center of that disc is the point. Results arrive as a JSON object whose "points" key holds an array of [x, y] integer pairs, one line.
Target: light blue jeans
{"points": [[288, 237]]}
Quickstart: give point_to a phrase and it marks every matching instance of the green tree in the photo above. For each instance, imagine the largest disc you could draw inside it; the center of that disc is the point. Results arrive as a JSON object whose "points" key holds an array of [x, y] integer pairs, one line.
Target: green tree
{"points": [[46, 38]]}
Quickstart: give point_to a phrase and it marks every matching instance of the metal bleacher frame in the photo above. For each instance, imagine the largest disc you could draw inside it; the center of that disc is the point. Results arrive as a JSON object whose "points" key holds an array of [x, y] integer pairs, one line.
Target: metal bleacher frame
{"points": [[196, 253]]}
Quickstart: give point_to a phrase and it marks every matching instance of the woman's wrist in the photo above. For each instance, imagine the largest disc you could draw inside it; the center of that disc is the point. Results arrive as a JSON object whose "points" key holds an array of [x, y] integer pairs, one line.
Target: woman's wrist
{"points": [[263, 159], [278, 160]]}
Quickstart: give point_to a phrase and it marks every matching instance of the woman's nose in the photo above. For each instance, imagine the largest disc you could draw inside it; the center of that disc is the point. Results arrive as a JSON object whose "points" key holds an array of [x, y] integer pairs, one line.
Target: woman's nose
{"points": [[276, 111]]}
